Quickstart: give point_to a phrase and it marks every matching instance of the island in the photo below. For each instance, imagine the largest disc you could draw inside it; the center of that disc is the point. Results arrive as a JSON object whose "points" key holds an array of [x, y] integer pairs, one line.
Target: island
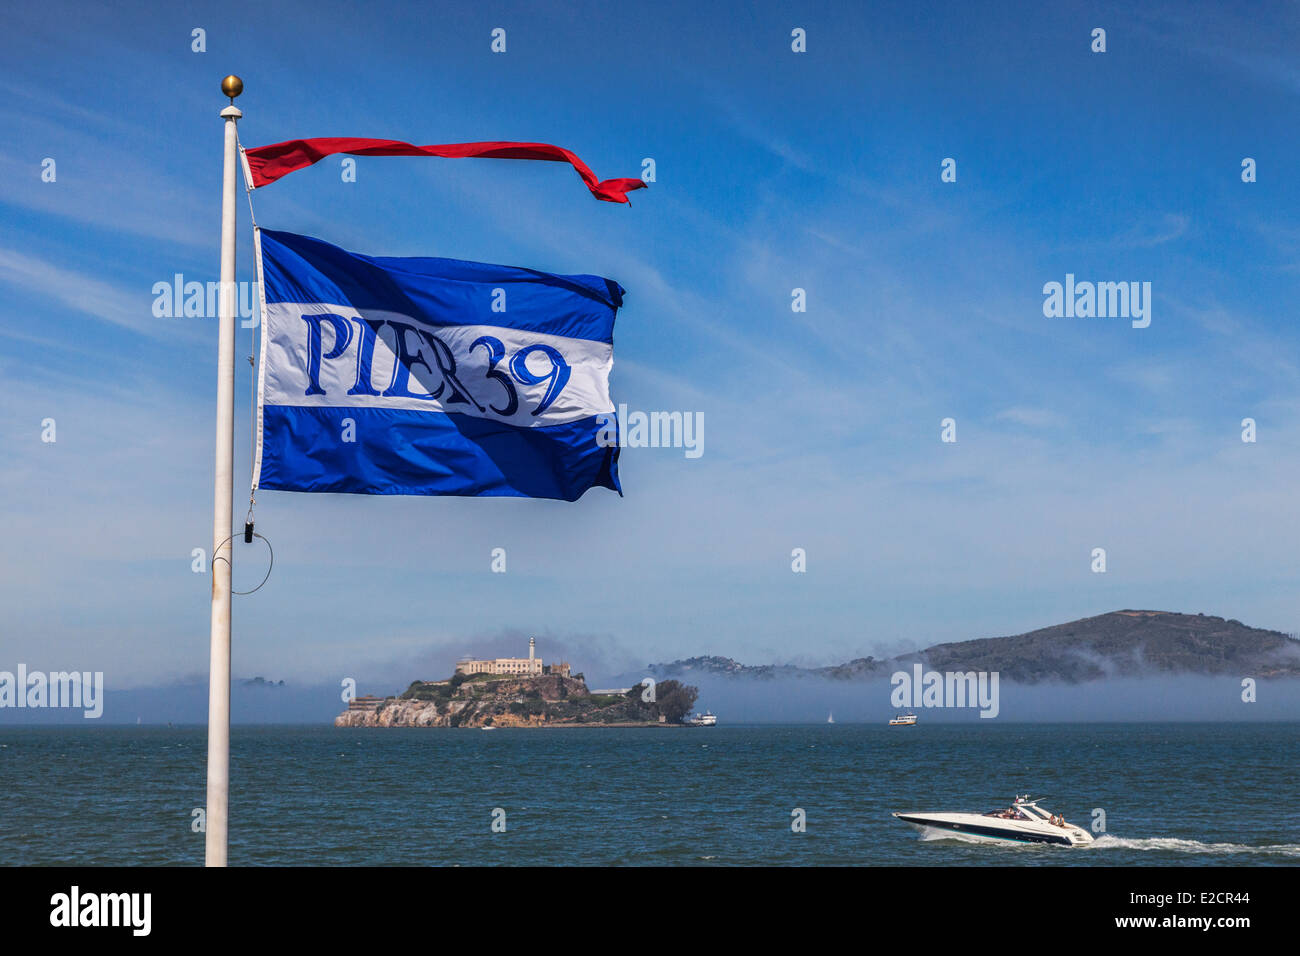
{"points": [[522, 692]]}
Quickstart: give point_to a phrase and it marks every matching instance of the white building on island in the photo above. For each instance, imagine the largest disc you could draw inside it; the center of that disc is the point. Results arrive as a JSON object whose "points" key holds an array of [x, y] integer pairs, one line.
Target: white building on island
{"points": [[530, 666]]}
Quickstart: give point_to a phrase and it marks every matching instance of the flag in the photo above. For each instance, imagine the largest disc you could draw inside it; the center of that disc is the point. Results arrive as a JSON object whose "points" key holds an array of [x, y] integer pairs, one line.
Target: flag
{"points": [[397, 376], [266, 164]]}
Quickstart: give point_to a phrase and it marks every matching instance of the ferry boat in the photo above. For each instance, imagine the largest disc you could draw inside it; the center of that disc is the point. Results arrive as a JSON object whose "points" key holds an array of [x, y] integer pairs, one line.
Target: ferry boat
{"points": [[706, 719], [902, 720]]}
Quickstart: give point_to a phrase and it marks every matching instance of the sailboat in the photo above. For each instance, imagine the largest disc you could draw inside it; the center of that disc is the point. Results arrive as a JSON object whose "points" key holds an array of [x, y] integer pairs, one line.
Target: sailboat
{"points": [[830, 717]]}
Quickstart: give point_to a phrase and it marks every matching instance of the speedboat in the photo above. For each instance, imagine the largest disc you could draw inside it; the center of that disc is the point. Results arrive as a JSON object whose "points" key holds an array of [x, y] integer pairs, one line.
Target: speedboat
{"points": [[1022, 822]]}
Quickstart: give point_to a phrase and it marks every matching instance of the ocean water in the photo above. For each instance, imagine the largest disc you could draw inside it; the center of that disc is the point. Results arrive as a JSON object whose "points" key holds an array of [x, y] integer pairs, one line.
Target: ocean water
{"points": [[1173, 794]]}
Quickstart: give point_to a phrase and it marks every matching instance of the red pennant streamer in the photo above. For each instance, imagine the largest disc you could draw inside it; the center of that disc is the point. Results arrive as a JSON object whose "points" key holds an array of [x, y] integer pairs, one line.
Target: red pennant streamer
{"points": [[269, 163]]}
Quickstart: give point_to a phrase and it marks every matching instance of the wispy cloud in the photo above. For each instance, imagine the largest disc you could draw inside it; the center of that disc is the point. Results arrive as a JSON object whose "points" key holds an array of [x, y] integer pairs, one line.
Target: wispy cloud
{"points": [[111, 173], [88, 295], [1030, 417], [1153, 232]]}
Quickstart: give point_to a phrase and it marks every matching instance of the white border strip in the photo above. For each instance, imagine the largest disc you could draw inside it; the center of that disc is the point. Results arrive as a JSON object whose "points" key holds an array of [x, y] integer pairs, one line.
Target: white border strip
{"points": [[248, 172]]}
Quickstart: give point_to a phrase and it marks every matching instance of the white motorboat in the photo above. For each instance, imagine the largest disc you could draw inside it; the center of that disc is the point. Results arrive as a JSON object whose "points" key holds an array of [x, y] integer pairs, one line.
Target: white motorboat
{"points": [[902, 720], [706, 719], [1022, 822]]}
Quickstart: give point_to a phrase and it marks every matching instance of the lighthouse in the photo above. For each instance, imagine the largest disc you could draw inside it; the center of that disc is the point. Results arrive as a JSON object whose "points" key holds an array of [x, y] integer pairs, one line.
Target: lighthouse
{"points": [[532, 648]]}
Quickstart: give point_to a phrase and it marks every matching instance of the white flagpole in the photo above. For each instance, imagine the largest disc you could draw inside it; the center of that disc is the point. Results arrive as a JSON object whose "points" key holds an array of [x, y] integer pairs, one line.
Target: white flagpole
{"points": [[223, 505]]}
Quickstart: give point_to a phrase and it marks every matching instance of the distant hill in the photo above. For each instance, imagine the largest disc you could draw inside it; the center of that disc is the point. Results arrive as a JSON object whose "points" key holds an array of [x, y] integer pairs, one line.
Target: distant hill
{"points": [[1119, 644]]}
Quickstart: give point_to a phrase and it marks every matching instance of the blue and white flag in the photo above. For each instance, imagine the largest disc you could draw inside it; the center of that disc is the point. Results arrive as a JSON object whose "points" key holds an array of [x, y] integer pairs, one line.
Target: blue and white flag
{"points": [[386, 376]]}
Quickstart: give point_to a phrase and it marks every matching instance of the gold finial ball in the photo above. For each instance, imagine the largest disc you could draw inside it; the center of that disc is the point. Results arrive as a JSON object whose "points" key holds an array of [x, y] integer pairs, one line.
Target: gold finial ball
{"points": [[232, 86]]}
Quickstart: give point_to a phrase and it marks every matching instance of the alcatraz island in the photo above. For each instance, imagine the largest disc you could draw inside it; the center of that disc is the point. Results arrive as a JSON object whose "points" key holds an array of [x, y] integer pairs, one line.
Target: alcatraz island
{"points": [[522, 692]]}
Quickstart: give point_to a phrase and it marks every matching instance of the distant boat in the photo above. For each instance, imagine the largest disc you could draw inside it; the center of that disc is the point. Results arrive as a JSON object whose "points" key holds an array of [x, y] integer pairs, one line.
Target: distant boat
{"points": [[902, 720], [706, 719], [830, 718]]}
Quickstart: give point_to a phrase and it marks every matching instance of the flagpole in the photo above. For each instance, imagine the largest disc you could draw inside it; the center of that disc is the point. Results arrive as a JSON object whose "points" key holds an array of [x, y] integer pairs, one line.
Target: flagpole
{"points": [[223, 505]]}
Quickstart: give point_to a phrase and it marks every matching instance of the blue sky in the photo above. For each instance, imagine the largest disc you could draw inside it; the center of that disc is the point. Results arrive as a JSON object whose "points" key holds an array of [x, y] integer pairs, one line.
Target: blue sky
{"points": [[775, 170]]}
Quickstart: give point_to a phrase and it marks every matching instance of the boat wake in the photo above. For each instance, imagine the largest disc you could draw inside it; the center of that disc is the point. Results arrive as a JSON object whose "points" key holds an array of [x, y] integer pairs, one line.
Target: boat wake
{"points": [[1108, 842], [1174, 845]]}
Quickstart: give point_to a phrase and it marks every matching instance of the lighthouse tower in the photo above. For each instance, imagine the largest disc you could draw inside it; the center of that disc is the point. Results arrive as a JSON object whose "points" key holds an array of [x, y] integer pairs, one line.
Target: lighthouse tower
{"points": [[532, 648]]}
